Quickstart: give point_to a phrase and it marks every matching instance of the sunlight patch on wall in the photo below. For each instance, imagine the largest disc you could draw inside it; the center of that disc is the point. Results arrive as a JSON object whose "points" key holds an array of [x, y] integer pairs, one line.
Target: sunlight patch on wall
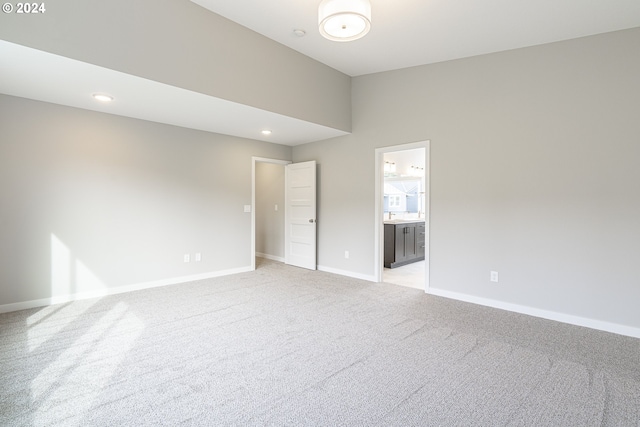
{"points": [[86, 280], [60, 268], [73, 382], [69, 275]]}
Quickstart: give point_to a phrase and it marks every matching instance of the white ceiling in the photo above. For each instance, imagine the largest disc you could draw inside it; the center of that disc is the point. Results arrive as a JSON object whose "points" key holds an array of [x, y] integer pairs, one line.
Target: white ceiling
{"points": [[406, 33]]}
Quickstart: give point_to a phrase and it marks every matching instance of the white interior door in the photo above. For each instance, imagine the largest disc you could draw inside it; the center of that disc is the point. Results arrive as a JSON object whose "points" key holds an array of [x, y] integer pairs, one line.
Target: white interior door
{"points": [[300, 214]]}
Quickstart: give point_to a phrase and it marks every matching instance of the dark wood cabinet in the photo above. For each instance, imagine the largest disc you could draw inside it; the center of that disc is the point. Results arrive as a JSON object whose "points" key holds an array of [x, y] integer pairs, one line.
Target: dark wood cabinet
{"points": [[404, 243], [420, 241]]}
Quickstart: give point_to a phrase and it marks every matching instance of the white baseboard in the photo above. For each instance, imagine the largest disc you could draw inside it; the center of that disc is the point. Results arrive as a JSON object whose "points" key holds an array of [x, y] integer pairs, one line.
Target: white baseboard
{"points": [[536, 312], [545, 314], [271, 257], [60, 299], [347, 273]]}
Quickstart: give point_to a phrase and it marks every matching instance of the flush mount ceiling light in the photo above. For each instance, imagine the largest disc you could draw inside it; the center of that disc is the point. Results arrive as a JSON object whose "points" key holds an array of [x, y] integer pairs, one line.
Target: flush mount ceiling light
{"points": [[344, 20], [266, 132], [102, 97]]}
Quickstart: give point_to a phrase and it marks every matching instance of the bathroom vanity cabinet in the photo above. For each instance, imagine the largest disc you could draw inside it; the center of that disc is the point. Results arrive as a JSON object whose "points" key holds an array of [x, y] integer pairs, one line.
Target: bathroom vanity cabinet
{"points": [[404, 242]]}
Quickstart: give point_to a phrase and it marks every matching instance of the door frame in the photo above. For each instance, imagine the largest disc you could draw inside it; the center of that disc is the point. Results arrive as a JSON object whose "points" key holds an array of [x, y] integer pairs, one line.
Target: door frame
{"points": [[379, 205], [255, 160]]}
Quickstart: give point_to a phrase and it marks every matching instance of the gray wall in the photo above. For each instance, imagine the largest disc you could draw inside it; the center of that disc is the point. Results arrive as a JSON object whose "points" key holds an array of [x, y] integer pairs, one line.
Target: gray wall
{"points": [[91, 200], [534, 173], [179, 43], [270, 222]]}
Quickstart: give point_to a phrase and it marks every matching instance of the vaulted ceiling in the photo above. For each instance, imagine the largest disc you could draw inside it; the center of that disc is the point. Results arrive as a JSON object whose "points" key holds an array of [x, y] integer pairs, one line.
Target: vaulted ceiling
{"points": [[404, 33]]}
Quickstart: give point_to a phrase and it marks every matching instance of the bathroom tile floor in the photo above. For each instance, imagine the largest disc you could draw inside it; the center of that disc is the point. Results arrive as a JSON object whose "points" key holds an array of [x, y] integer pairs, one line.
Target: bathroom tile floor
{"points": [[410, 275]]}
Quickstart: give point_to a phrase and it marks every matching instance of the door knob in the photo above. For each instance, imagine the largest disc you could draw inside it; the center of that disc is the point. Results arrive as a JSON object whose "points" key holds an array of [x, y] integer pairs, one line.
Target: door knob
{"points": [[312, 221]]}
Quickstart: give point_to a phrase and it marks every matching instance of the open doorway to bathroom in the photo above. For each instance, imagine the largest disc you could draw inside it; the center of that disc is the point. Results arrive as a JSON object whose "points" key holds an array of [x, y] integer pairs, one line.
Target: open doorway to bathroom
{"points": [[402, 200]]}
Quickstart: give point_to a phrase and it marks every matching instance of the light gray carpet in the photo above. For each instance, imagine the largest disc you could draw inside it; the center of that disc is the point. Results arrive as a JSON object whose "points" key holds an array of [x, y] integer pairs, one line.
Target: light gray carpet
{"points": [[285, 346]]}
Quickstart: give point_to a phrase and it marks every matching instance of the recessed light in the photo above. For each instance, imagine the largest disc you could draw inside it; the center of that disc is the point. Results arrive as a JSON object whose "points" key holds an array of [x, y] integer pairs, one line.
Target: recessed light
{"points": [[102, 97], [266, 132]]}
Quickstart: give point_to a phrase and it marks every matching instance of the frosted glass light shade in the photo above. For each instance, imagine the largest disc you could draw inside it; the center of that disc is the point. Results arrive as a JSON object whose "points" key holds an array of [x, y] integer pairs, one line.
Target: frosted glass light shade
{"points": [[344, 20]]}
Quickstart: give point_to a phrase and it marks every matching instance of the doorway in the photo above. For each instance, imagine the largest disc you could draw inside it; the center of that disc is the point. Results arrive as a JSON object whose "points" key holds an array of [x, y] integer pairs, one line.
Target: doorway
{"points": [[283, 212], [267, 209], [402, 208]]}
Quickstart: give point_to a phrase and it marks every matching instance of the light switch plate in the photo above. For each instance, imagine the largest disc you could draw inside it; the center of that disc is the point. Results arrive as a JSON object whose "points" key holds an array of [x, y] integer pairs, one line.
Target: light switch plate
{"points": [[247, 208]]}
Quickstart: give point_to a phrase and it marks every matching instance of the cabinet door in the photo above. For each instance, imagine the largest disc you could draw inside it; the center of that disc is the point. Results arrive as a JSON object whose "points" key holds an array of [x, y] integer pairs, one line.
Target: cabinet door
{"points": [[410, 242], [389, 245], [405, 242], [401, 253]]}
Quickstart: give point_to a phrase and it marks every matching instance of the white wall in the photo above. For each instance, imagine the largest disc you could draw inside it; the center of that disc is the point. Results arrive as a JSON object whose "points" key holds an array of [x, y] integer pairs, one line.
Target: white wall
{"points": [[269, 221], [534, 173], [93, 202]]}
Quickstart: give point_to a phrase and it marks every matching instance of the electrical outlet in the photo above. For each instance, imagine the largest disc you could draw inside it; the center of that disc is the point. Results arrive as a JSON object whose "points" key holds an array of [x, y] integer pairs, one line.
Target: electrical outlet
{"points": [[494, 276], [346, 254], [198, 257], [187, 258]]}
